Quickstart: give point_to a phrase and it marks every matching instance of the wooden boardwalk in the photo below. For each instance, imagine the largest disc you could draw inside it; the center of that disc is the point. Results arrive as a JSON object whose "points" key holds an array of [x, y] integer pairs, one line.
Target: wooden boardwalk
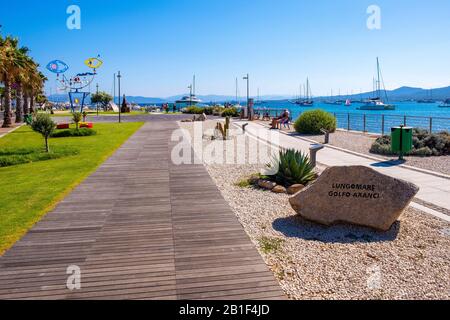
{"points": [[140, 227]]}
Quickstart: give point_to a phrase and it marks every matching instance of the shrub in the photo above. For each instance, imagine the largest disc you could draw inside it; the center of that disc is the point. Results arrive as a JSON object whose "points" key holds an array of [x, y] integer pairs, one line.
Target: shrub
{"points": [[12, 157], [424, 144], [45, 126], [83, 132], [230, 112], [293, 168], [194, 110], [76, 117], [311, 122]]}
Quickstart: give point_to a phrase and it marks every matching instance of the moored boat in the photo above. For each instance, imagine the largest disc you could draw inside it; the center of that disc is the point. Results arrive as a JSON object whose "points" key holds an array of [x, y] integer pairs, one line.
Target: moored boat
{"points": [[377, 103]]}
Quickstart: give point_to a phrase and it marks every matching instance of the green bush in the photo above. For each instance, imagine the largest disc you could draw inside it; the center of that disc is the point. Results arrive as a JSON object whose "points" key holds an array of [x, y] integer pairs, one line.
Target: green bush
{"points": [[13, 157], [230, 112], [293, 168], [311, 122], [194, 110], [424, 144], [83, 132]]}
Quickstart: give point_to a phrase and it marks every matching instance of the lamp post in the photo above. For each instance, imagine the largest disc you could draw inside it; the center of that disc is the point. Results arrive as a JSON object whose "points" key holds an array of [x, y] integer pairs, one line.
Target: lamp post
{"points": [[120, 107], [97, 98], [248, 95]]}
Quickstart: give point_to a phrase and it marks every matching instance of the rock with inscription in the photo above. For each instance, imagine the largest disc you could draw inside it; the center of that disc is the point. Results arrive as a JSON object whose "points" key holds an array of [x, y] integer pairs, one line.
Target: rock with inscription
{"points": [[357, 195]]}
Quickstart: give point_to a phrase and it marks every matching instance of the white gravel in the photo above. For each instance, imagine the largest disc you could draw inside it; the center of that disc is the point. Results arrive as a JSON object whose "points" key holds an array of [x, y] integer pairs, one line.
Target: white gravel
{"points": [[411, 261]]}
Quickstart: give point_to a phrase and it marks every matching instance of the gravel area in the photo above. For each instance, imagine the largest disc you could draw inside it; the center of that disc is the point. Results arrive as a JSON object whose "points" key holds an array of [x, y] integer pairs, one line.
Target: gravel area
{"points": [[411, 261], [362, 143]]}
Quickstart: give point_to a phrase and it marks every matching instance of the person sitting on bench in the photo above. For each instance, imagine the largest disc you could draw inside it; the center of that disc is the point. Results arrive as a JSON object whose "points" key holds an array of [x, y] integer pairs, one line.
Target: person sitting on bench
{"points": [[281, 120]]}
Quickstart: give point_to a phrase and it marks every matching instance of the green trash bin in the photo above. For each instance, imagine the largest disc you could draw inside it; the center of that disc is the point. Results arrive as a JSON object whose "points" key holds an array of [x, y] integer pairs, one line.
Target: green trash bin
{"points": [[402, 140]]}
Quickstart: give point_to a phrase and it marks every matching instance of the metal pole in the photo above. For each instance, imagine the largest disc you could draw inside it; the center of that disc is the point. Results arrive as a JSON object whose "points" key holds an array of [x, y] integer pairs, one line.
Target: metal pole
{"points": [[97, 98], [120, 107], [248, 97], [365, 123], [404, 121], [382, 124], [431, 125], [348, 121]]}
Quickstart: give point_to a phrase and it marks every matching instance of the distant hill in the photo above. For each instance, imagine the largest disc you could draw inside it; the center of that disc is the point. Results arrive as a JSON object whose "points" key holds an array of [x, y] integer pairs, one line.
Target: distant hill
{"points": [[400, 94], [404, 93]]}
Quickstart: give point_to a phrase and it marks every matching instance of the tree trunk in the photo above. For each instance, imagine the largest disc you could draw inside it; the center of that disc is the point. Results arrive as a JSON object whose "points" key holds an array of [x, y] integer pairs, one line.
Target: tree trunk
{"points": [[26, 104], [47, 148], [7, 115], [31, 103], [19, 104]]}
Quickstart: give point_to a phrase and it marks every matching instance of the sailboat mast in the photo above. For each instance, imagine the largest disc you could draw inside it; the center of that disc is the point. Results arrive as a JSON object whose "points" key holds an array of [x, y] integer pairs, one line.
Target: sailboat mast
{"points": [[193, 85], [379, 78]]}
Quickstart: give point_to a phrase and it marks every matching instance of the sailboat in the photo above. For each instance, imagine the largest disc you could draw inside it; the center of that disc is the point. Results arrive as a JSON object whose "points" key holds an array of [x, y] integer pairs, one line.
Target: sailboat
{"points": [[333, 102], [258, 99], [377, 103], [238, 104], [307, 102], [446, 104]]}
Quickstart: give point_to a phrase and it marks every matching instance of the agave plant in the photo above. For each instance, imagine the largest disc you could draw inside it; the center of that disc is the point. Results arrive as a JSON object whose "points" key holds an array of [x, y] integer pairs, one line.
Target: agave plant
{"points": [[293, 166]]}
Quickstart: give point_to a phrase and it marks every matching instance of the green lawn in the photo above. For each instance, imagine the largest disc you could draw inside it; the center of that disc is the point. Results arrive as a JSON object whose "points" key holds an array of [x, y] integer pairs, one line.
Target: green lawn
{"points": [[31, 190]]}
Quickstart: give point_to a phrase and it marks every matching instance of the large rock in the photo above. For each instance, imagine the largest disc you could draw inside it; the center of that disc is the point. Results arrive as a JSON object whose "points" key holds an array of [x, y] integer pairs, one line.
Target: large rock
{"points": [[357, 195]]}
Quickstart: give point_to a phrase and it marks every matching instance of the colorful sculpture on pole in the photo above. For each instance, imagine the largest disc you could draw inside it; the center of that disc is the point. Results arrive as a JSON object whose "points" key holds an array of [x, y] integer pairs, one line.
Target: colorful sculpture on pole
{"points": [[75, 84]]}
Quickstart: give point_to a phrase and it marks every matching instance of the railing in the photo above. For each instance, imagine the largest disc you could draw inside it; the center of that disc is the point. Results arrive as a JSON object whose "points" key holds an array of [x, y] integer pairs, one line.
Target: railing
{"points": [[381, 123], [376, 123]]}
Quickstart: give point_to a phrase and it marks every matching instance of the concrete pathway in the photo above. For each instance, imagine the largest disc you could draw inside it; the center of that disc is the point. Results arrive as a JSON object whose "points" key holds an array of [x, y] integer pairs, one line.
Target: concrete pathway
{"points": [[140, 227], [434, 191]]}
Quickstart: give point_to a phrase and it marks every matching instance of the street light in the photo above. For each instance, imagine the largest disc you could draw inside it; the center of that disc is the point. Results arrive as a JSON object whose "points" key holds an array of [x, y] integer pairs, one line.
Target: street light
{"points": [[248, 96], [97, 100], [120, 107]]}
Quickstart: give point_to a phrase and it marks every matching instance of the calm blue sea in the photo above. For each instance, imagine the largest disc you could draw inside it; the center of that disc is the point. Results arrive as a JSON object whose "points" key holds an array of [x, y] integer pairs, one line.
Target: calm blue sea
{"points": [[413, 114]]}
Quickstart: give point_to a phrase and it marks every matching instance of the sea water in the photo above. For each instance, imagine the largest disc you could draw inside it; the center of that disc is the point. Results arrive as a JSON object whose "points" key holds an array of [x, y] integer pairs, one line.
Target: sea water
{"points": [[421, 115]]}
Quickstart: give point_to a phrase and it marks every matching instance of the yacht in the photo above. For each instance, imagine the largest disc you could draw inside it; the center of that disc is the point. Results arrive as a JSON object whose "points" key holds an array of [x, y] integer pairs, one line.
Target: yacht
{"points": [[377, 103], [189, 100], [446, 104]]}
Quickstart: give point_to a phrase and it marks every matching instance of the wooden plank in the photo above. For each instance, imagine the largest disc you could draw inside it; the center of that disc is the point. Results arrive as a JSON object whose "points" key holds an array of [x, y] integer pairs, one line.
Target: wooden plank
{"points": [[140, 227]]}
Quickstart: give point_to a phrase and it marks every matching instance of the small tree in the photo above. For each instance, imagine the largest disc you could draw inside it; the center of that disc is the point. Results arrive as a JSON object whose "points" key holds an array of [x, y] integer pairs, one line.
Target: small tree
{"points": [[102, 98], [76, 117], [45, 126]]}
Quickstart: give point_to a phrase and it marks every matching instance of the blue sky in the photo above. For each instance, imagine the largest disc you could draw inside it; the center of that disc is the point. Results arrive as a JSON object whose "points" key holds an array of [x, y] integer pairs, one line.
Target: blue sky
{"points": [[159, 45]]}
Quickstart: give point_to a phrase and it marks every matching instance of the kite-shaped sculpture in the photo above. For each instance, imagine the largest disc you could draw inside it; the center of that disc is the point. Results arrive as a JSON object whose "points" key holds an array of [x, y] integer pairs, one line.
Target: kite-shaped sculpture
{"points": [[78, 82]]}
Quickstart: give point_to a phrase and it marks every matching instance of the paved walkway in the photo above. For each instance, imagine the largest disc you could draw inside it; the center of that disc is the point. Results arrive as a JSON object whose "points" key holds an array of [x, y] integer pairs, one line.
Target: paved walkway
{"points": [[434, 190], [140, 228]]}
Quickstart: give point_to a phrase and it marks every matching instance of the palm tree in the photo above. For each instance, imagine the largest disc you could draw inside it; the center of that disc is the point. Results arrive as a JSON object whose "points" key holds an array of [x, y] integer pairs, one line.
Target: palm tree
{"points": [[12, 64], [32, 86]]}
